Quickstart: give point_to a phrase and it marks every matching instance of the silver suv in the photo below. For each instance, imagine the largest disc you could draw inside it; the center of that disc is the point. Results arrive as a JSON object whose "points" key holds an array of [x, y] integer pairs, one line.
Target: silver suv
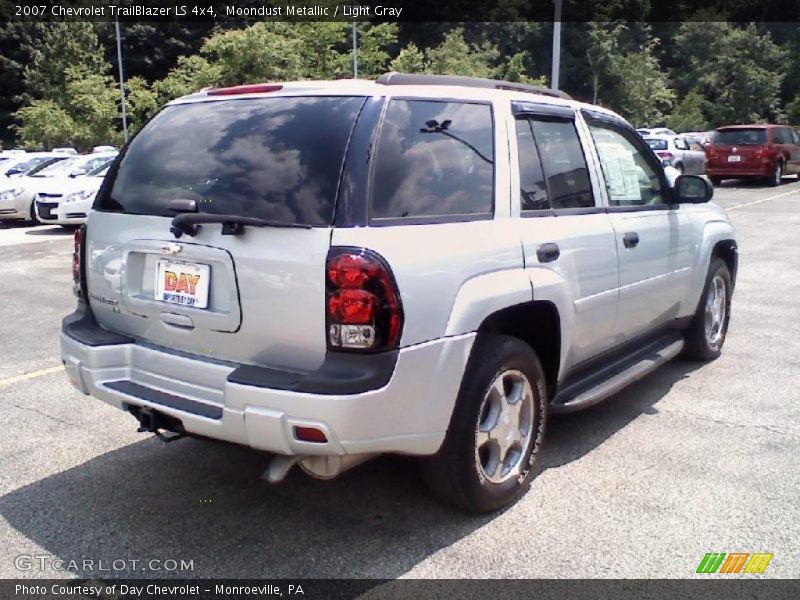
{"points": [[421, 265]]}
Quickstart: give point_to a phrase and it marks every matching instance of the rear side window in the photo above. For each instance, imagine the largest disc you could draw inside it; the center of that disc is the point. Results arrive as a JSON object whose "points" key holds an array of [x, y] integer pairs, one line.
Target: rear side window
{"points": [[741, 137], [562, 162], [533, 189], [782, 135], [434, 159], [272, 158]]}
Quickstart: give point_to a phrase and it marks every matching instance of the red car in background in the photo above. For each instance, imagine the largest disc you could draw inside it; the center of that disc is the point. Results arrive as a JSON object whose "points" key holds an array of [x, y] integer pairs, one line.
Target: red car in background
{"points": [[753, 151]]}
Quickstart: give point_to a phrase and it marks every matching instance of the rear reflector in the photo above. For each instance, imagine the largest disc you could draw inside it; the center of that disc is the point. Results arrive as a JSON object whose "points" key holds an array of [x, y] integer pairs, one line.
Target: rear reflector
{"points": [[258, 88], [310, 434]]}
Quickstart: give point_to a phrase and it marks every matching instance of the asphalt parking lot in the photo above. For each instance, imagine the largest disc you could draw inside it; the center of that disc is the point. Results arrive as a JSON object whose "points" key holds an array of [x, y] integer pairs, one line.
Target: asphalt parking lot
{"points": [[693, 459]]}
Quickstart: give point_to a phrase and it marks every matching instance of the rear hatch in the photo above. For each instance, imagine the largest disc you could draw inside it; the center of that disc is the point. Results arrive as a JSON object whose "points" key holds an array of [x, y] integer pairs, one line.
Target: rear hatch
{"points": [[251, 290], [741, 147]]}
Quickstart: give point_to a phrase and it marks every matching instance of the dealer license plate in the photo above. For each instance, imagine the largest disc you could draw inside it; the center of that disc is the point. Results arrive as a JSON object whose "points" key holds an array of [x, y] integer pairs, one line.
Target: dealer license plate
{"points": [[184, 283]]}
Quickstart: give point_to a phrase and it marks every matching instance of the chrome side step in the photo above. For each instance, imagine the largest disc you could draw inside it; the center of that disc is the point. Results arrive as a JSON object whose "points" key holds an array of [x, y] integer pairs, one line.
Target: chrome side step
{"points": [[571, 401]]}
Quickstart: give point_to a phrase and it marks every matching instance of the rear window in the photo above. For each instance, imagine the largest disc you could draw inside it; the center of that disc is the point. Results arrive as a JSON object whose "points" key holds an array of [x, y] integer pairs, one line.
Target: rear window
{"points": [[656, 144], [741, 137], [434, 159], [271, 158]]}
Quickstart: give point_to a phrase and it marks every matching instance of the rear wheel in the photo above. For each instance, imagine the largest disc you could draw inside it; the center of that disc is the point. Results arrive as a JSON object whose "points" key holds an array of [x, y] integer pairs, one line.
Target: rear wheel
{"points": [[716, 181], [777, 175], [490, 453], [709, 327], [680, 168]]}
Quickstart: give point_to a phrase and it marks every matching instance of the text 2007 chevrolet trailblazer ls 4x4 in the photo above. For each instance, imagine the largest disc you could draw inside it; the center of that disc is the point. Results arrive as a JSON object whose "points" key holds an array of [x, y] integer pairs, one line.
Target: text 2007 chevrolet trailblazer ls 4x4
{"points": [[421, 265]]}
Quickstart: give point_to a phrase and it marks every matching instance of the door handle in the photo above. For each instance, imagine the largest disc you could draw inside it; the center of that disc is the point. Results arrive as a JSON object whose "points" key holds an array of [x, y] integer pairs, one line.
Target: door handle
{"points": [[630, 239], [548, 252]]}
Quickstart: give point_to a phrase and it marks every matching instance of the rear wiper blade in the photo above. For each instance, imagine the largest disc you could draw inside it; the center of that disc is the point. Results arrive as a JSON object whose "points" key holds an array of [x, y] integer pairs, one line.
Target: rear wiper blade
{"points": [[189, 223]]}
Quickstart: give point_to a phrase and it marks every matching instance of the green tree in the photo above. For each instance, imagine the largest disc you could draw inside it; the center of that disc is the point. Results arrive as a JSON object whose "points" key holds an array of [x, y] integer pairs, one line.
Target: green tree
{"points": [[454, 56], [737, 69], [141, 103], [689, 114], [65, 45], [44, 125], [410, 60], [645, 97], [192, 73], [603, 56], [18, 45]]}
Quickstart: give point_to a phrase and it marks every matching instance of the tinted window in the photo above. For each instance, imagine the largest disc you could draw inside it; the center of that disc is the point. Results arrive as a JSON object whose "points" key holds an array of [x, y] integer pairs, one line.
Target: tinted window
{"points": [[564, 164], [34, 165], [533, 191], [434, 159], [656, 144], [783, 135], [273, 158], [696, 146], [741, 137], [630, 179], [681, 144]]}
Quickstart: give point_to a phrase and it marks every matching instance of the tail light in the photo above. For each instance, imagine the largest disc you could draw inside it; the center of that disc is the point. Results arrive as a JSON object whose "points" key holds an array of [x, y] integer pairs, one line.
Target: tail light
{"points": [[759, 152], [363, 305], [665, 155], [77, 261], [711, 152]]}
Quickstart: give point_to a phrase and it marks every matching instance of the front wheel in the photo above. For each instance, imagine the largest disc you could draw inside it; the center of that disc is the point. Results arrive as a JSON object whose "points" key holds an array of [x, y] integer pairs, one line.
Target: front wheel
{"points": [[34, 218], [490, 453], [709, 327]]}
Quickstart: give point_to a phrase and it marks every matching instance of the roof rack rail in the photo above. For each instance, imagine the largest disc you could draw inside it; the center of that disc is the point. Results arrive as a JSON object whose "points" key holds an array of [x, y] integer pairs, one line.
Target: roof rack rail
{"points": [[395, 78]]}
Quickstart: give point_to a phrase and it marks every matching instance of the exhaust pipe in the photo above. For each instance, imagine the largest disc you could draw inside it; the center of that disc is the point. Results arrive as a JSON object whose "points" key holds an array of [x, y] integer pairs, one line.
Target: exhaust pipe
{"points": [[318, 467], [328, 467]]}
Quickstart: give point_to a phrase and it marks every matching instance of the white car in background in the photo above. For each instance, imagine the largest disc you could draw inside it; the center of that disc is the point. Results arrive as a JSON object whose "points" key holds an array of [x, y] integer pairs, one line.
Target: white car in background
{"points": [[645, 132], [67, 201], [17, 165], [686, 155], [17, 195]]}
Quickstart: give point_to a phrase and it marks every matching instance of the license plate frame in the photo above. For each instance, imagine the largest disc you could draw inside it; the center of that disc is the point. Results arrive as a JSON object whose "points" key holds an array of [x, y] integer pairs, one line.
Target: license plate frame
{"points": [[734, 158], [188, 285]]}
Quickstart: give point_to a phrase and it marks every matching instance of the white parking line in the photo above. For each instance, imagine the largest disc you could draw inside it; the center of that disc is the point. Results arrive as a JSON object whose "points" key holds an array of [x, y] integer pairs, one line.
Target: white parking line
{"points": [[760, 200], [31, 375]]}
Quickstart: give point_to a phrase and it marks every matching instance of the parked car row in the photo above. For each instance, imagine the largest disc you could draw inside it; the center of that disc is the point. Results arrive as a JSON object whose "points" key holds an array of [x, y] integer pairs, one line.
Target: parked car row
{"points": [[55, 187], [759, 151]]}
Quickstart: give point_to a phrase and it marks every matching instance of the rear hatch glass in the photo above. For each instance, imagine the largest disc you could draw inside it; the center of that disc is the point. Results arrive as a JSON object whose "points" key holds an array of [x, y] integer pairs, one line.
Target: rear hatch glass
{"points": [[656, 144], [252, 297], [741, 137], [272, 158]]}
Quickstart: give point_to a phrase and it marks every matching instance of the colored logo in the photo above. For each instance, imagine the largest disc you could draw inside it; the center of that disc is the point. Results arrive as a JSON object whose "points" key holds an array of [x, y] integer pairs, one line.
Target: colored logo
{"points": [[735, 562]]}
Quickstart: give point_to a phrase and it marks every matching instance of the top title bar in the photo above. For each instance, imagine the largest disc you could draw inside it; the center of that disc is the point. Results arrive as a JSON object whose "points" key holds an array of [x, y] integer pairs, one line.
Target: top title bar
{"points": [[462, 11]]}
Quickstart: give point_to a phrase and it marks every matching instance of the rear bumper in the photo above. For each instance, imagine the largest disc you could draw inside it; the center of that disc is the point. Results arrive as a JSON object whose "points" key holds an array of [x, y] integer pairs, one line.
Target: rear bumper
{"points": [[764, 170], [408, 413]]}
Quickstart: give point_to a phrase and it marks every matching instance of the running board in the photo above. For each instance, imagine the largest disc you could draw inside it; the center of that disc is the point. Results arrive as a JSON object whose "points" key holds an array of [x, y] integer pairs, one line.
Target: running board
{"points": [[617, 377]]}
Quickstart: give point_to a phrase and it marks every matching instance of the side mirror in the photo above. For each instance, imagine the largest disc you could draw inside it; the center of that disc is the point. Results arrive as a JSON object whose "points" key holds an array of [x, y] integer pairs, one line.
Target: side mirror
{"points": [[78, 172], [692, 189], [12, 172]]}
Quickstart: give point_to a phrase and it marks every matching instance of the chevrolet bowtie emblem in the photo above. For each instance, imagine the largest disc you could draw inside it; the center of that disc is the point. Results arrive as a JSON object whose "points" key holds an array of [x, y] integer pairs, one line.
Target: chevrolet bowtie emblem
{"points": [[172, 248]]}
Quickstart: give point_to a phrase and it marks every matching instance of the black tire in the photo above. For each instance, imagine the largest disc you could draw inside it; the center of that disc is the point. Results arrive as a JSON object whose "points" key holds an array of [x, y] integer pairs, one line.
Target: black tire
{"points": [[716, 181], [698, 345], [777, 174], [34, 218], [680, 168], [456, 474]]}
